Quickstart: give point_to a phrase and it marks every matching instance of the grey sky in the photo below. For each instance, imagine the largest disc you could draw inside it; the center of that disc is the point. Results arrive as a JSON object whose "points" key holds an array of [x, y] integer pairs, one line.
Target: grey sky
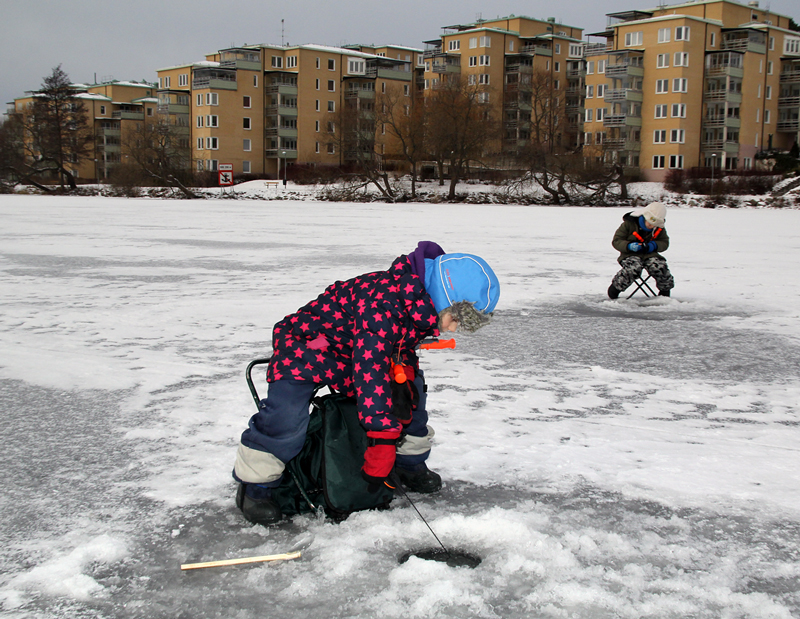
{"points": [[130, 40]]}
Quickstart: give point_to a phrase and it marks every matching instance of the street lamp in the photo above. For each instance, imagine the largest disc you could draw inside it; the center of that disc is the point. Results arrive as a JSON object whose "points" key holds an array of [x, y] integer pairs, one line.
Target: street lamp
{"points": [[283, 154], [713, 163]]}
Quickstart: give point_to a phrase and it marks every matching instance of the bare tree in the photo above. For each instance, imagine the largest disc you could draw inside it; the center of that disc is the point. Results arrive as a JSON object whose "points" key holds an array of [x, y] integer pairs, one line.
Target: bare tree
{"points": [[57, 131], [405, 123], [12, 153], [461, 127], [353, 134], [162, 152]]}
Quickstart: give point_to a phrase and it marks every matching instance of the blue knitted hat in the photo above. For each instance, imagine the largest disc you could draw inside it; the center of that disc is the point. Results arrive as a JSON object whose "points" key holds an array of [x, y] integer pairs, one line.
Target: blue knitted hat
{"points": [[461, 277]]}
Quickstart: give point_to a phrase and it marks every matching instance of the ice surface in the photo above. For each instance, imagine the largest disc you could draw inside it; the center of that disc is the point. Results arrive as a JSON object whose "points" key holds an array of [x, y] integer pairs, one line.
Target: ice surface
{"points": [[603, 458]]}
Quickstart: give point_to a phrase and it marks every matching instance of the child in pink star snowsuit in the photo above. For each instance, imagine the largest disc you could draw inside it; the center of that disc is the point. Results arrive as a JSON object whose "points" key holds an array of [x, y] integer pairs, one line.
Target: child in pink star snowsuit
{"points": [[349, 338]]}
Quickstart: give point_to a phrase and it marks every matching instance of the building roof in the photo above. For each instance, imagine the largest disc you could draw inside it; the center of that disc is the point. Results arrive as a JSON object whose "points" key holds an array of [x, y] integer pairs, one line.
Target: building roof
{"points": [[480, 22], [696, 2]]}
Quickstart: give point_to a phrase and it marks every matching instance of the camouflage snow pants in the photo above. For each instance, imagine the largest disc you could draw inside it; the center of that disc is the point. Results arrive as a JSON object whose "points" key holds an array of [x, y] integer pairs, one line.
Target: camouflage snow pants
{"points": [[632, 268]]}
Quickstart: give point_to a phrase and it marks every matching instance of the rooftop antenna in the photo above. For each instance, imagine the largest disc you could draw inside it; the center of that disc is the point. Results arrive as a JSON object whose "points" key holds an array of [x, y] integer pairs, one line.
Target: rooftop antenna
{"points": [[282, 33]]}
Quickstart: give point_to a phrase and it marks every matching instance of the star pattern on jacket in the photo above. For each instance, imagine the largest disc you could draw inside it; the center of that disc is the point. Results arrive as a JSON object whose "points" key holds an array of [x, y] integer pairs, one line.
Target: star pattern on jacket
{"points": [[348, 337]]}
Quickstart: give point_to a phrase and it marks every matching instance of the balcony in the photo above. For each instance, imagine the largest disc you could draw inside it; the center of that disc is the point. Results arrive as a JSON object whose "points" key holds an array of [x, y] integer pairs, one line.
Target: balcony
{"points": [[172, 108], [576, 73], [792, 125], [623, 94], [281, 109], [283, 132], [730, 148], [283, 153], [127, 115], [241, 63], [281, 89], [621, 120], [721, 70], [790, 77], [359, 94], [597, 49], [622, 144], [624, 69], [722, 121], [789, 101], [723, 95], [754, 42], [218, 79]]}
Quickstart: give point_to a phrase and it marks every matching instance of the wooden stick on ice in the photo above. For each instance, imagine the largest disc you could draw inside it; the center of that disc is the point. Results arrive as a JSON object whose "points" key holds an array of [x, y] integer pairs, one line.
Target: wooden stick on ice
{"points": [[281, 557]]}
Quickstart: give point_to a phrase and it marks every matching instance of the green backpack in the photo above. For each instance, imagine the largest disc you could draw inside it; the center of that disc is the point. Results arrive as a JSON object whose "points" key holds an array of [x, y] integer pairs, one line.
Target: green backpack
{"points": [[326, 474]]}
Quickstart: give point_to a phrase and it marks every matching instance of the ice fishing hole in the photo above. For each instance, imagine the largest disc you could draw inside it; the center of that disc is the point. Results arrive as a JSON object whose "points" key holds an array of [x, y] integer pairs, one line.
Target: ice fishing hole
{"points": [[453, 558]]}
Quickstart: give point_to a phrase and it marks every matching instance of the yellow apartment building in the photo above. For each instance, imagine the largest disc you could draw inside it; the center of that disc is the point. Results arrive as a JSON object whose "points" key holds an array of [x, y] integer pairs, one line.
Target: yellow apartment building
{"points": [[261, 108], [505, 55], [115, 110], [705, 83]]}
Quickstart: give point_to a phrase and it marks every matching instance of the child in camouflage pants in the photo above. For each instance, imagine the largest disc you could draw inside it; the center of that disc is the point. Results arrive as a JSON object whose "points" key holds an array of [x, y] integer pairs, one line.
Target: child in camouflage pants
{"points": [[639, 239]]}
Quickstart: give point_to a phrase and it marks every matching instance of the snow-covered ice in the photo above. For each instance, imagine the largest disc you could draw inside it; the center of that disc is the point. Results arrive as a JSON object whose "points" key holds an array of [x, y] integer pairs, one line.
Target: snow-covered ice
{"points": [[631, 458]]}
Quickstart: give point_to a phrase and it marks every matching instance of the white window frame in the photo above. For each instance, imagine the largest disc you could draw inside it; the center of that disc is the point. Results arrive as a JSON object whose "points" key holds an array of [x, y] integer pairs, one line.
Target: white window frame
{"points": [[589, 117], [680, 108], [247, 102], [682, 33], [212, 98], [473, 61], [659, 162], [633, 39], [454, 45], [601, 66], [484, 61], [590, 67], [680, 84], [663, 35], [662, 61], [291, 62], [676, 162], [246, 167], [677, 136], [247, 123], [660, 136], [277, 62], [247, 145], [662, 86], [681, 59], [212, 143], [485, 41], [212, 120], [199, 99], [661, 110], [601, 91], [483, 79], [589, 91]]}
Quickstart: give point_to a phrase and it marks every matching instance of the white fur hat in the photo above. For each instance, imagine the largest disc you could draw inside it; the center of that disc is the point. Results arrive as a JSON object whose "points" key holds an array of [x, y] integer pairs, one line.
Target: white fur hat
{"points": [[654, 213]]}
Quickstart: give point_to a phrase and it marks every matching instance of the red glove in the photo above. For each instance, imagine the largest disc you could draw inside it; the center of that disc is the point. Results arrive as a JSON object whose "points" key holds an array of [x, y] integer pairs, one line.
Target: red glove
{"points": [[379, 456]]}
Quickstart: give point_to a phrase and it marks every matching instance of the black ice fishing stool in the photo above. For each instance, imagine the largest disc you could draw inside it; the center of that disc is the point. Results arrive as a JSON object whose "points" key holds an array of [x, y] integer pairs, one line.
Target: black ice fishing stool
{"points": [[640, 283]]}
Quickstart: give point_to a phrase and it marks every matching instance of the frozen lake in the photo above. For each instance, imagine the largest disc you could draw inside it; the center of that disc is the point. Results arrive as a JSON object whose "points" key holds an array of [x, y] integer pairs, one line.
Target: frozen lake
{"points": [[603, 458]]}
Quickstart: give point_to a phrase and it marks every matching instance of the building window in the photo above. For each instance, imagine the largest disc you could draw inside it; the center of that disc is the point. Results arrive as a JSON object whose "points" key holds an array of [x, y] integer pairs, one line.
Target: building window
{"points": [[601, 66], [747, 163], [587, 138], [245, 167], [485, 41], [331, 86], [600, 114], [679, 110], [556, 84], [212, 98], [200, 143], [556, 67], [658, 162], [791, 45], [675, 161], [483, 78], [771, 43], [558, 48], [663, 35], [769, 92], [473, 42], [713, 39], [277, 62], [681, 59], [102, 110], [601, 90], [316, 105], [662, 86], [246, 102], [246, 123], [680, 84], [483, 61], [212, 143], [599, 137], [660, 136], [473, 61], [589, 92], [633, 38], [511, 46], [662, 61], [183, 79], [769, 67], [331, 149], [246, 145], [590, 67], [453, 45], [200, 122], [291, 62], [255, 81], [212, 120], [661, 110], [682, 33], [317, 62], [316, 147], [356, 66], [316, 126], [677, 136], [331, 106], [331, 64], [589, 114], [766, 116], [199, 99]]}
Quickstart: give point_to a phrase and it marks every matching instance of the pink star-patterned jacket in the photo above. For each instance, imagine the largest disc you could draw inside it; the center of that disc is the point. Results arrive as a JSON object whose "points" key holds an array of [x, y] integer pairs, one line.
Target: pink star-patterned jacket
{"points": [[351, 334]]}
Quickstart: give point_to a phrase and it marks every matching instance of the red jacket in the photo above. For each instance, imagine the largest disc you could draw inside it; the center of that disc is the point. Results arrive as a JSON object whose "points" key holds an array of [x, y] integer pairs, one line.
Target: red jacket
{"points": [[348, 337]]}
